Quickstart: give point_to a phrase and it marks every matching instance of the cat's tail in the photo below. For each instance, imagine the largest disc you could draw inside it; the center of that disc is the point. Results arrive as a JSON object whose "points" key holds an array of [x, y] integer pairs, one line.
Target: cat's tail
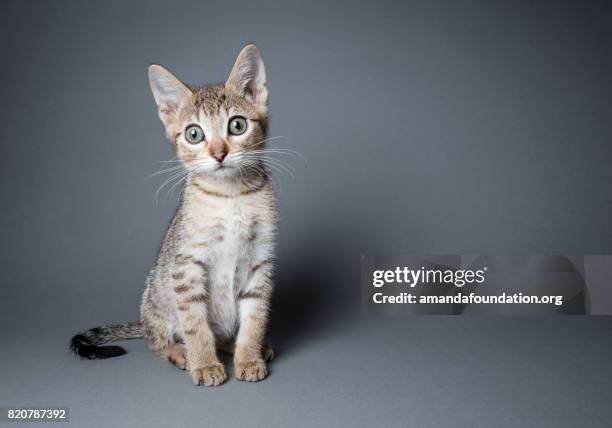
{"points": [[87, 343]]}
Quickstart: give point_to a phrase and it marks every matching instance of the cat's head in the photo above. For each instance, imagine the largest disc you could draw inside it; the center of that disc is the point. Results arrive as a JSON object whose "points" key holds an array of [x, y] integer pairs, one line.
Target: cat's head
{"points": [[216, 130]]}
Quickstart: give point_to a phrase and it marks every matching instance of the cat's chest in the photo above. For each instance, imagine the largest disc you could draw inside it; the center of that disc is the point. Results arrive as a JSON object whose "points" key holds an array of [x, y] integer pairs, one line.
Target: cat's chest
{"points": [[224, 235]]}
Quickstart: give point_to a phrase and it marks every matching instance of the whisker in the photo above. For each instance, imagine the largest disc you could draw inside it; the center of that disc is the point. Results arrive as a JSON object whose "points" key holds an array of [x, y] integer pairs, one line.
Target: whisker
{"points": [[257, 160], [259, 143], [274, 167], [178, 182], [277, 162], [281, 151], [260, 170], [163, 171], [169, 180], [280, 165]]}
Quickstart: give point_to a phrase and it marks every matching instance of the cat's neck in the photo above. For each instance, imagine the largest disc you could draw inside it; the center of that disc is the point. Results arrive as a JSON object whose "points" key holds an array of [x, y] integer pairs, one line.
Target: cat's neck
{"points": [[226, 187]]}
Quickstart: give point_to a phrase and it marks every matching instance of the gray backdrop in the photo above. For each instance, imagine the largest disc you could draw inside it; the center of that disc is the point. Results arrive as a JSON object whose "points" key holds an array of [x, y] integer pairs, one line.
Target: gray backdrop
{"points": [[428, 127]]}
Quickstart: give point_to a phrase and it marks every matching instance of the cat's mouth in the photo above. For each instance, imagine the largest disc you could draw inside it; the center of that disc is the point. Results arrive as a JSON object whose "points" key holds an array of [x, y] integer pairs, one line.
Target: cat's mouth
{"points": [[223, 169]]}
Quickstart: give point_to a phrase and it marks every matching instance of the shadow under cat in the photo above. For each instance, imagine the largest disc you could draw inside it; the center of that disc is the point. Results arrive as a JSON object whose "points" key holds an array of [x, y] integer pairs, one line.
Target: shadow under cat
{"points": [[312, 292]]}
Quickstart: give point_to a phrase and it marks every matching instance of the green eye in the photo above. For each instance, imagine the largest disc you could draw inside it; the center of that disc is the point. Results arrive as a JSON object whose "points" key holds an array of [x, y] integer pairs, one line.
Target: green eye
{"points": [[194, 134], [237, 125]]}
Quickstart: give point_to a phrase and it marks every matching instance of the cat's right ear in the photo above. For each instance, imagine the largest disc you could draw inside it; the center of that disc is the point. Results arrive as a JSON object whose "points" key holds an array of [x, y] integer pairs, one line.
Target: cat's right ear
{"points": [[169, 93]]}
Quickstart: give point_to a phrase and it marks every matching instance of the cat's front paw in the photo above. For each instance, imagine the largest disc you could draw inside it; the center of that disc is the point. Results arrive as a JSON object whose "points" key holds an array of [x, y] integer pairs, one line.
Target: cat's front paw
{"points": [[210, 376], [251, 371]]}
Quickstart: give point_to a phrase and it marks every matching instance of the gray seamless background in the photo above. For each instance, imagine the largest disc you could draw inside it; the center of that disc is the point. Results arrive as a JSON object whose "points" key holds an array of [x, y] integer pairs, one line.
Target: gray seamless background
{"points": [[443, 127]]}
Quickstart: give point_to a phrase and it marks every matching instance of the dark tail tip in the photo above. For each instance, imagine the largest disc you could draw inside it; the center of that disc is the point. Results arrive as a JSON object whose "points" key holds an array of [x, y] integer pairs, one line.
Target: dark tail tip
{"points": [[80, 346]]}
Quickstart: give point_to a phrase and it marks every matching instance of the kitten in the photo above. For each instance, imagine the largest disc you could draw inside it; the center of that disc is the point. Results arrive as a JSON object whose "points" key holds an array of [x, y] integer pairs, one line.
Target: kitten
{"points": [[211, 285]]}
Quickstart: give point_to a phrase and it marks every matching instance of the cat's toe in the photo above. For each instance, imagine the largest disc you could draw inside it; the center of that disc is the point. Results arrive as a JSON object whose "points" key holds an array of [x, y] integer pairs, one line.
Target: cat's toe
{"points": [[251, 371], [209, 376], [177, 355]]}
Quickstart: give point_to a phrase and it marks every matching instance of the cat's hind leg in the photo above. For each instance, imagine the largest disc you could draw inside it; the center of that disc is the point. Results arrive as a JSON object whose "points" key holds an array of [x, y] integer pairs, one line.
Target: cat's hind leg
{"points": [[167, 347], [177, 355], [159, 333], [267, 352]]}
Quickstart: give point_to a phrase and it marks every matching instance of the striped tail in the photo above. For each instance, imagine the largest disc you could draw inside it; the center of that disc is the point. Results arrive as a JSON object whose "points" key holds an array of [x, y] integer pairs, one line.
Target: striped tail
{"points": [[87, 343]]}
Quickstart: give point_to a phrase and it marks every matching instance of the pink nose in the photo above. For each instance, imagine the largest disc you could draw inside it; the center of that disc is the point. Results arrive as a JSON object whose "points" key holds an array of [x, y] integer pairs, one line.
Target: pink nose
{"points": [[219, 155]]}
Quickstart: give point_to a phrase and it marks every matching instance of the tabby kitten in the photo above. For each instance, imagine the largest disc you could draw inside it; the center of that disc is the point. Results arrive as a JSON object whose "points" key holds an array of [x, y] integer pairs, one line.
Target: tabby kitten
{"points": [[211, 285]]}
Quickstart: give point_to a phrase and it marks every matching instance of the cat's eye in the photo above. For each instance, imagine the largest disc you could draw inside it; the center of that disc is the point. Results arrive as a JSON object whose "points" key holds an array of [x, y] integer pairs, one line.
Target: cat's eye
{"points": [[237, 125], [194, 134]]}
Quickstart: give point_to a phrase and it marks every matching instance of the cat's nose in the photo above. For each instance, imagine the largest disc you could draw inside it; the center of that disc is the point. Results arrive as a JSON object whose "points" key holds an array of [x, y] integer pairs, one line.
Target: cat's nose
{"points": [[219, 155], [217, 149]]}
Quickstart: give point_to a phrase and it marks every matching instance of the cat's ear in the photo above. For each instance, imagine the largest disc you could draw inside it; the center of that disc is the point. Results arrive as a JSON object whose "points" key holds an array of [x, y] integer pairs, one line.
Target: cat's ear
{"points": [[248, 76], [169, 92]]}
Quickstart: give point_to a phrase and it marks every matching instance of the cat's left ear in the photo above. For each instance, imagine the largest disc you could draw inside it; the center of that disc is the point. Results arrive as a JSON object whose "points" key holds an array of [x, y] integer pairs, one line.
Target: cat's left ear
{"points": [[248, 77]]}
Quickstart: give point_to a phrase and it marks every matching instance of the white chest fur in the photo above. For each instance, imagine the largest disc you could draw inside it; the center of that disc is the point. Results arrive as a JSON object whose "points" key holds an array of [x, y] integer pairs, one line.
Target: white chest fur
{"points": [[225, 234]]}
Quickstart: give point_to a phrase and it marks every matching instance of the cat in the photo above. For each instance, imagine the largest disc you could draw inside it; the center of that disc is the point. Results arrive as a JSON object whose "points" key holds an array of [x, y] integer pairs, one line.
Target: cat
{"points": [[211, 285]]}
